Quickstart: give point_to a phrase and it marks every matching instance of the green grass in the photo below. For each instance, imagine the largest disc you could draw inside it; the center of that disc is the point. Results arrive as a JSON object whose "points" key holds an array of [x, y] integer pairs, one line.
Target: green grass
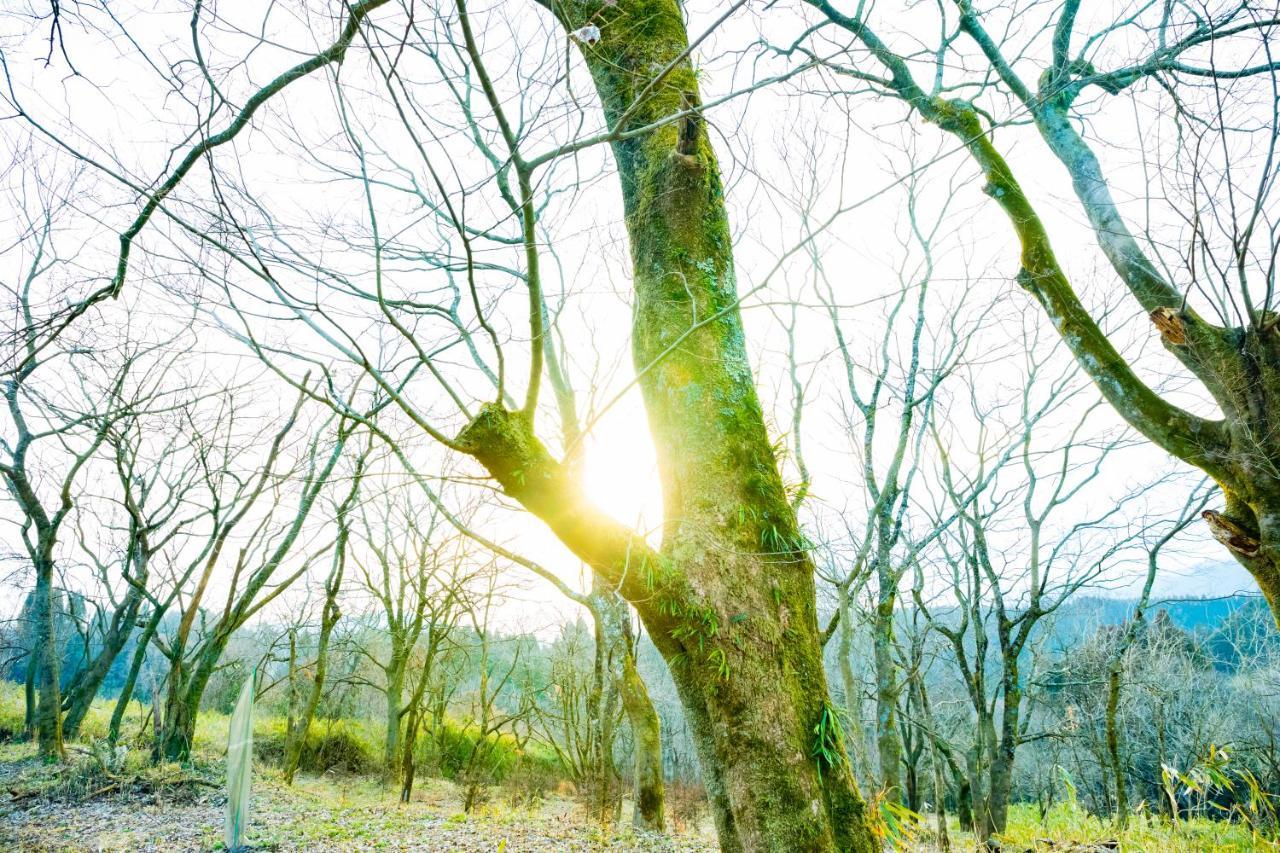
{"points": [[1066, 822], [352, 805], [344, 746], [1068, 827]]}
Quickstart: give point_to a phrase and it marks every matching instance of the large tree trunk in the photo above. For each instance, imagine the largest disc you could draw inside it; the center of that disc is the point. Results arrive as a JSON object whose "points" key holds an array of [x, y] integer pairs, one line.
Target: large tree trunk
{"points": [[182, 700], [178, 727], [730, 601]]}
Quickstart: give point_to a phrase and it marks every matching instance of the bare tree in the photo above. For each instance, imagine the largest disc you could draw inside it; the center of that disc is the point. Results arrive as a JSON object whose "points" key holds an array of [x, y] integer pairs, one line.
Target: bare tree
{"points": [[729, 597], [1223, 170], [194, 654]]}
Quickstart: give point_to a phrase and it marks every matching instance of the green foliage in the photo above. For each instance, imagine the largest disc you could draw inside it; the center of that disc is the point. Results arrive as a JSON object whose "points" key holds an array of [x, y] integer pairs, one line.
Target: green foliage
{"points": [[1234, 793], [1071, 827], [894, 826], [12, 712], [828, 739], [344, 746], [448, 752]]}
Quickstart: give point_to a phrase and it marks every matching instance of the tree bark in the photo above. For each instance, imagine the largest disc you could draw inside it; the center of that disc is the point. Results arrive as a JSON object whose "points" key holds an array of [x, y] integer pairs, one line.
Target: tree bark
{"points": [[855, 736], [131, 680], [646, 735], [1113, 744], [395, 688], [614, 632]]}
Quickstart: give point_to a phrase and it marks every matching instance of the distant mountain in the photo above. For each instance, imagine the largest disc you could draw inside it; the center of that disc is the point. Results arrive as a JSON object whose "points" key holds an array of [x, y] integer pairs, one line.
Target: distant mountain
{"points": [[1229, 629]]}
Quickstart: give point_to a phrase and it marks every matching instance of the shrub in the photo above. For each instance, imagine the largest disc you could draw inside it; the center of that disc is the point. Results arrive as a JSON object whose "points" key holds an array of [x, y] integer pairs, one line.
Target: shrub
{"points": [[330, 745], [686, 804]]}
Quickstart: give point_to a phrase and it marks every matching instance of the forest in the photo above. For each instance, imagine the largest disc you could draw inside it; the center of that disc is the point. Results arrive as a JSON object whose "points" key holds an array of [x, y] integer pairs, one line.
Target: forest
{"points": [[743, 425]]}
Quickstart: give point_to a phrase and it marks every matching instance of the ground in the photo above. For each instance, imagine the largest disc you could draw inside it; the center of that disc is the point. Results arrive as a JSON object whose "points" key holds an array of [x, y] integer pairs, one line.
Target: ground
{"points": [[168, 811], [75, 807]]}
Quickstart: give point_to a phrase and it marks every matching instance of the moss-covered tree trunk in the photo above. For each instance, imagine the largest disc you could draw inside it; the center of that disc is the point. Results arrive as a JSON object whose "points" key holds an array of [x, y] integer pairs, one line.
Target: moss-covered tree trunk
{"points": [[855, 736], [394, 692], [187, 682], [730, 599], [613, 632], [45, 655], [888, 739], [177, 727], [298, 736], [646, 735]]}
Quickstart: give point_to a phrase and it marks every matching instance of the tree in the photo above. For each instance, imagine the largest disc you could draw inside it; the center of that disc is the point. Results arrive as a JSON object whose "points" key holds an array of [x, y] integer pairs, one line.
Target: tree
{"points": [[54, 432], [729, 596], [409, 561], [155, 487], [330, 613], [1115, 665], [193, 655], [1229, 266], [899, 396]]}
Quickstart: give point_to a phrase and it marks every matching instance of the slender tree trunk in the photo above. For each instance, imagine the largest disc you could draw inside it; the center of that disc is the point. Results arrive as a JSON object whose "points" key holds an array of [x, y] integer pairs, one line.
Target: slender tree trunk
{"points": [[298, 736], [395, 690], [855, 736], [936, 763], [978, 796], [888, 737], [1113, 745], [964, 801], [291, 700], [48, 715], [408, 767], [615, 639], [131, 679], [646, 734]]}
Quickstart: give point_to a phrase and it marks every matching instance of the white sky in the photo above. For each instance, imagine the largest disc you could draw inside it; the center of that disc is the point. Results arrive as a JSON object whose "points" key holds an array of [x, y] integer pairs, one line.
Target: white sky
{"points": [[784, 146]]}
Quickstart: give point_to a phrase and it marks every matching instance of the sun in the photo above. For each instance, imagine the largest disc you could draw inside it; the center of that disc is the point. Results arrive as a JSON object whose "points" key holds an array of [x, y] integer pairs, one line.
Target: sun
{"points": [[621, 471]]}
